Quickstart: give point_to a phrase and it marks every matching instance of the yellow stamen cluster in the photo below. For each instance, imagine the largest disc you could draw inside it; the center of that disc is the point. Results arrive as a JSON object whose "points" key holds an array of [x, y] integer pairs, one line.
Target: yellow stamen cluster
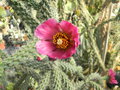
{"points": [[61, 40]]}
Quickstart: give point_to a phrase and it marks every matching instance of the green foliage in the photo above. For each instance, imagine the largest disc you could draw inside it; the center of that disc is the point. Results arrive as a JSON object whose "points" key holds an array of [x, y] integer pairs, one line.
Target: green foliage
{"points": [[41, 11], [3, 81], [1, 68], [2, 12], [70, 6], [114, 48], [93, 81], [22, 12], [10, 86], [94, 6], [53, 75], [26, 52], [2, 74], [2, 55]]}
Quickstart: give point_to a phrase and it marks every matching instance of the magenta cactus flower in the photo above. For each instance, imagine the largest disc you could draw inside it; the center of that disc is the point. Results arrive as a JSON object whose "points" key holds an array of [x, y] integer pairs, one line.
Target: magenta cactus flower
{"points": [[112, 75], [57, 40]]}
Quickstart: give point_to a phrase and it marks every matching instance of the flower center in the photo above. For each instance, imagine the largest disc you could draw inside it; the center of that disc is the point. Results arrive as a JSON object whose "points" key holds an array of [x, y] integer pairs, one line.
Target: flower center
{"points": [[61, 40]]}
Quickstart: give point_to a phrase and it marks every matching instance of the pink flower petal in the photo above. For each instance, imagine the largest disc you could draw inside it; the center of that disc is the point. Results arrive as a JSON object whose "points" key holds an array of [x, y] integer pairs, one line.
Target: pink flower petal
{"points": [[72, 30], [57, 54], [69, 52], [45, 47], [62, 54], [111, 73], [113, 81], [47, 29], [67, 27]]}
